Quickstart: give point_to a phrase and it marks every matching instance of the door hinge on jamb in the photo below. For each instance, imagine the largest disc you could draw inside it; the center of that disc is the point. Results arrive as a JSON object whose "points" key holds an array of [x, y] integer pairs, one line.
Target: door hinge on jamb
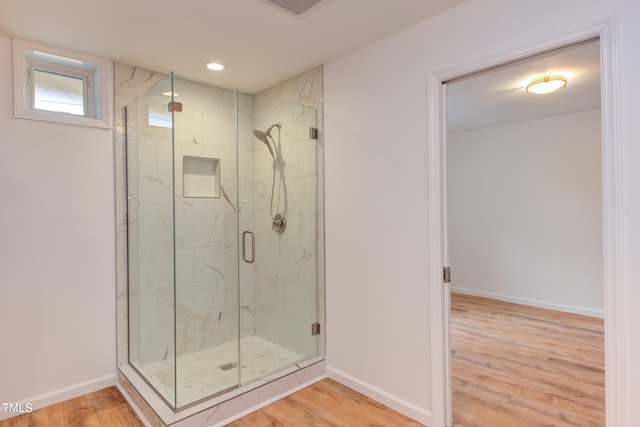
{"points": [[315, 329], [446, 274]]}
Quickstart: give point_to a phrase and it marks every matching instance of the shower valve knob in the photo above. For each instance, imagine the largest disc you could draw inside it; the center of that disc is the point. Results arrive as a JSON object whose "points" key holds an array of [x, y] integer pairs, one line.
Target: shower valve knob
{"points": [[279, 223]]}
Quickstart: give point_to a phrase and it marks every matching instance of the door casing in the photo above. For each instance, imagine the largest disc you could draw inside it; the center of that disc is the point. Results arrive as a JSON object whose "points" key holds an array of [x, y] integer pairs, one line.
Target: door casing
{"points": [[612, 217]]}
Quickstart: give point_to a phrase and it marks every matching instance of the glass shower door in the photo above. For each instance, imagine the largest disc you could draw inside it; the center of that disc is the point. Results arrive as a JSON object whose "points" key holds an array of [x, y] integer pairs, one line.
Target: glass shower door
{"points": [[206, 244], [279, 235]]}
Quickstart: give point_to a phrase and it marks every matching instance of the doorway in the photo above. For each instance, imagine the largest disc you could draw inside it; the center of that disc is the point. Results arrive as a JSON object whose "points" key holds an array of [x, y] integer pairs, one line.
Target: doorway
{"points": [[611, 232], [524, 215]]}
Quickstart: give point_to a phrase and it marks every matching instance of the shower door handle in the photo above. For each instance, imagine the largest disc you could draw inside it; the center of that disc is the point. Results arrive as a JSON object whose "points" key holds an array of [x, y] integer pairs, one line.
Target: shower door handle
{"points": [[244, 247]]}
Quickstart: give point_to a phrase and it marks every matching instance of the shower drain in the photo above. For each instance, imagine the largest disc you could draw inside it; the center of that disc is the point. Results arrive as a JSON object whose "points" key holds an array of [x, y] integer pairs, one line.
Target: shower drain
{"points": [[228, 366]]}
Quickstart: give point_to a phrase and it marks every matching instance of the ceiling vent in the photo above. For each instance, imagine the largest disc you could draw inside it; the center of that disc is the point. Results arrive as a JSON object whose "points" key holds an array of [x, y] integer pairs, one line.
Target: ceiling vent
{"points": [[297, 7]]}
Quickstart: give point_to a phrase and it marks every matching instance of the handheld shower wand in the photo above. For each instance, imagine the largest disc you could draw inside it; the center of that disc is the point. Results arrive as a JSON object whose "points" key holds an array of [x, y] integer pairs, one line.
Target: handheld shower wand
{"points": [[279, 222]]}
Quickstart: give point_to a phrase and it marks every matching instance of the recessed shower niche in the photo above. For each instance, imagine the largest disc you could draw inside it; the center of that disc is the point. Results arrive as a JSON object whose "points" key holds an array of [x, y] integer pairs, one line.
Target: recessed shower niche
{"points": [[214, 301], [200, 177]]}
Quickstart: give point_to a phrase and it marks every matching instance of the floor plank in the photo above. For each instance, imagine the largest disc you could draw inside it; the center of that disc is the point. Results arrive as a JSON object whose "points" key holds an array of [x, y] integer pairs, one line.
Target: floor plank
{"points": [[325, 403], [515, 365], [105, 407]]}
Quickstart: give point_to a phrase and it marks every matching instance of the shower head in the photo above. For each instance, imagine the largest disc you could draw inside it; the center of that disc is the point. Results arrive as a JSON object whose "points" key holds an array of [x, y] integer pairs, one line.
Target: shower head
{"points": [[262, 136]]}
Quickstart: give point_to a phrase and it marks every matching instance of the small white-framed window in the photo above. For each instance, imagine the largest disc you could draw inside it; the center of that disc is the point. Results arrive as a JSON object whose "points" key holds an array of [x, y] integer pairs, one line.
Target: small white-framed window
{"points": [[57, 85]]}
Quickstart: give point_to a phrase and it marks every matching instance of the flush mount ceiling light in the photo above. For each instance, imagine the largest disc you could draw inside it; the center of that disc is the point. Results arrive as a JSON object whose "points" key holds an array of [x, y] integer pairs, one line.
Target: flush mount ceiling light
{"points": [[169, 93], [546, 84], [214, 66], [296, 7]]}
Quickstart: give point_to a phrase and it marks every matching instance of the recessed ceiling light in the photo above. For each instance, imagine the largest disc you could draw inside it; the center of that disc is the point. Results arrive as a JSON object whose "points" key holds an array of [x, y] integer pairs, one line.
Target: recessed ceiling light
{"points": [[546, 84], [215, 66]]}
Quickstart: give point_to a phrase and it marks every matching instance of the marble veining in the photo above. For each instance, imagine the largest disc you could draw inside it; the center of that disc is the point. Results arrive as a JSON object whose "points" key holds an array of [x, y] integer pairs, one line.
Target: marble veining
{"points": [[303, 89], [131, 82]]}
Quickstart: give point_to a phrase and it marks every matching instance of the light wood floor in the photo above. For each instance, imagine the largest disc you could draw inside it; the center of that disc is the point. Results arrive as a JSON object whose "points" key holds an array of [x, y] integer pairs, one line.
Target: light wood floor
{"points": [[515, 365], [325, 403], [103, 408]]}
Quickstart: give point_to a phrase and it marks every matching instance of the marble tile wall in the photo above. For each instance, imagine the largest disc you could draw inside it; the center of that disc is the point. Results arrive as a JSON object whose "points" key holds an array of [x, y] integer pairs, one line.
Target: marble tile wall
{"points": [[303, 89], [151, 233], [206, 228], [130, 83], [286, 271]]}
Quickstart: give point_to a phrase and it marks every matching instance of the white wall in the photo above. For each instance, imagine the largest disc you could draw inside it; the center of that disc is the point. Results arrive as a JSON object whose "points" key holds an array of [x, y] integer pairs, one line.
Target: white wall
{"points": [[376, 185], [57, 276], [525, 213]]}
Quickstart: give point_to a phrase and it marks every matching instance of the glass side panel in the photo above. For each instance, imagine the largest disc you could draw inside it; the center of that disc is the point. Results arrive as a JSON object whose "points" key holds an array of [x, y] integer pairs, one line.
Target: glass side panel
{"points": [[206, 226], [150, 197], [279, 291]]}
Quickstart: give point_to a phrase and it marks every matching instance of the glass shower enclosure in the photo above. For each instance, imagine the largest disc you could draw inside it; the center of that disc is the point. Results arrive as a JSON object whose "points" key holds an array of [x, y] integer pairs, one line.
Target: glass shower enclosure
{"points": [[223, 227]]}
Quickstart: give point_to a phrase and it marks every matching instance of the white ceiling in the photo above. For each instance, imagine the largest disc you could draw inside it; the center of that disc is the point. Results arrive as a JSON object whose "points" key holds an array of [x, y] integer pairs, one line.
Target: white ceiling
{"points": [[497, 97], [258, 43], [261, 45]]}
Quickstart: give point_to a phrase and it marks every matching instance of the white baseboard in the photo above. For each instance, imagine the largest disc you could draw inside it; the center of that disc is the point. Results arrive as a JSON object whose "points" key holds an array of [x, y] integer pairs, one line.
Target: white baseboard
{"points": [[415, 412], [534, 303], [66, 393]]}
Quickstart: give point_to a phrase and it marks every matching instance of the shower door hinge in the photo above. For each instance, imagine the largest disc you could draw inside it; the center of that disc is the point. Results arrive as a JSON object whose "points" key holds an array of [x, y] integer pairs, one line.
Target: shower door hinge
{"points": [[446, 274], [313, 133], [315, 329], [175, 106]]}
